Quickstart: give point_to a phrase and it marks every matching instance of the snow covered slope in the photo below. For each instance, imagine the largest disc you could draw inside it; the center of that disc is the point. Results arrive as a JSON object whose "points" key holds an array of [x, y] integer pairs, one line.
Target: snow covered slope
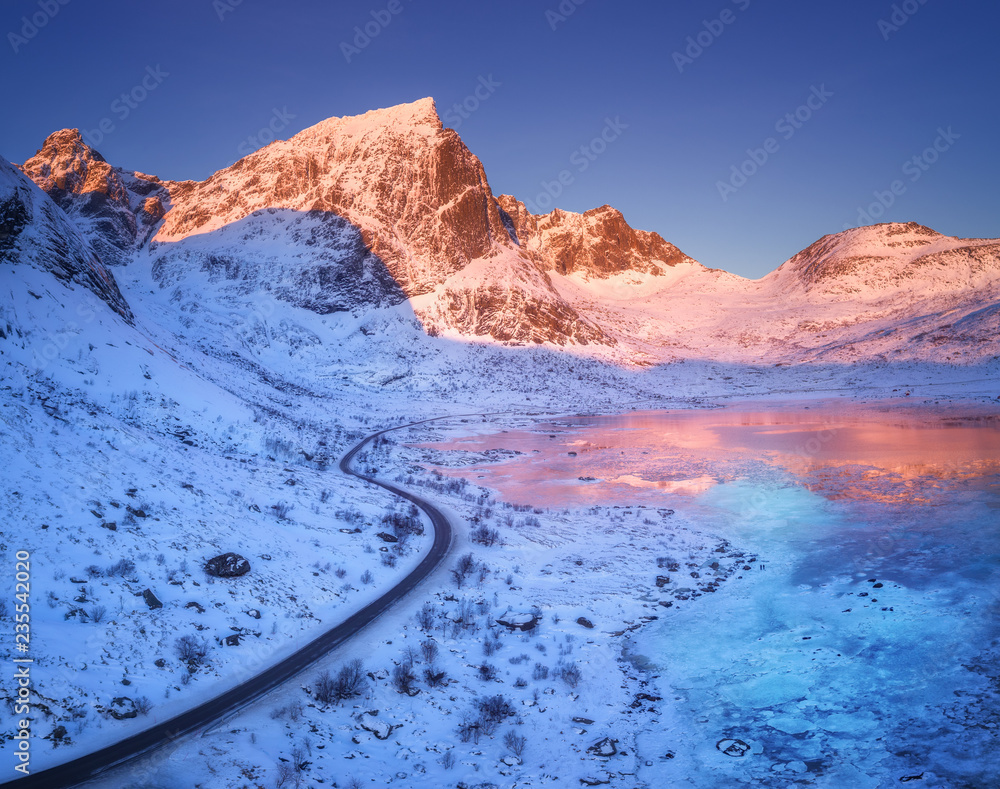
{"points": [[35, 232]]}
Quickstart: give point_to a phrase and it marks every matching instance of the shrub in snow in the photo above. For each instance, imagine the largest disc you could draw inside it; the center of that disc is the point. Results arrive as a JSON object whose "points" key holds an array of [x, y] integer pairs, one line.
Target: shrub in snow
{"points": [[349, 683], [281, 509], [434, 678], [487, 672], [485, 536], [571, 675], [191, 649], [515, 742], [122, 567], [403, 679], [429, 649]]}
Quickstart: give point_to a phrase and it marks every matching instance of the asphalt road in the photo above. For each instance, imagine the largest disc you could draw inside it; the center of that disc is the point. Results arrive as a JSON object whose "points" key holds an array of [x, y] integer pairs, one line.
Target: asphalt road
{"points": [[99, 763]]}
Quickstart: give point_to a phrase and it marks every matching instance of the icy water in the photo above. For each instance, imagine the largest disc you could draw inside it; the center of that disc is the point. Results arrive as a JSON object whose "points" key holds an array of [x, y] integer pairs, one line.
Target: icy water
{"points": [[863, 650]]}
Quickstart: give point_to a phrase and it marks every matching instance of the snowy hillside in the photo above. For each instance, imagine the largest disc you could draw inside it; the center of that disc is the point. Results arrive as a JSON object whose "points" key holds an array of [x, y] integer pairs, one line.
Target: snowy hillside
{"points": [[183, 363]]}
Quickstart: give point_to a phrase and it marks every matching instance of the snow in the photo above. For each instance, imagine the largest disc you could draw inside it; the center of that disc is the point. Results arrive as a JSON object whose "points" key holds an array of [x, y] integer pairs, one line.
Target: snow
{"points": [[219, 414]]}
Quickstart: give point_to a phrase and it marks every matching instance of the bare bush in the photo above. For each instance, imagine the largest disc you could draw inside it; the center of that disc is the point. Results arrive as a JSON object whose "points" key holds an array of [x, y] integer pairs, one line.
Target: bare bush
{"points": [[281, 510], [515, 743], [349, 683], [283, 774], [541, 672], [425, 617], [463, 569], [121, 568], [483, 535], [403, 679], [191, 649], [367, 577], [429, 649], [143, 705], [434, 678], [97, 613], [571, 675], [487, 672], [291, 711]]}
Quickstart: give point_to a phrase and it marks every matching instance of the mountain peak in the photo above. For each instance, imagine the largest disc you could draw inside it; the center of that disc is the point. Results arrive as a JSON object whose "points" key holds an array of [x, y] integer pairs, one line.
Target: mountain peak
{"points": [[421, 116], [65, 162]]}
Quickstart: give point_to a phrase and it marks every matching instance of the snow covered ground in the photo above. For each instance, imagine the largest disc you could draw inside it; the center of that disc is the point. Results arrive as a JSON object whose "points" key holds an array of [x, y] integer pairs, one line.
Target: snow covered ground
{"points": [[671, 626], [135, 454]]}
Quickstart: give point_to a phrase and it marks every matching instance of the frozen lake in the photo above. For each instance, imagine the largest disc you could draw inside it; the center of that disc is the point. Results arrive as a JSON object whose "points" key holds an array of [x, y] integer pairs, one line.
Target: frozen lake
{"points": [[862, 650]]}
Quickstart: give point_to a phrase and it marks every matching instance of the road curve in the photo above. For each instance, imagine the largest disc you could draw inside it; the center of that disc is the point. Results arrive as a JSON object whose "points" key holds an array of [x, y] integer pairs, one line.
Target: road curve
{"points": [[97, 764]]}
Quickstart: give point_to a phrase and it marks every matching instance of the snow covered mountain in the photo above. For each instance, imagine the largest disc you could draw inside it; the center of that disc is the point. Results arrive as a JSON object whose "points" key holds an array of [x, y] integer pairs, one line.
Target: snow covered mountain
{"points": [[366, 212], [35, 232]]}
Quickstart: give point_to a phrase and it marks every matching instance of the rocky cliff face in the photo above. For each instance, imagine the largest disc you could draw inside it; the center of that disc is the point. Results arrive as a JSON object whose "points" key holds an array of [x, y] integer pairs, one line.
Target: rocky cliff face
{"points": [[598, 242], [116, 209], [418, 195], [34, 231]]}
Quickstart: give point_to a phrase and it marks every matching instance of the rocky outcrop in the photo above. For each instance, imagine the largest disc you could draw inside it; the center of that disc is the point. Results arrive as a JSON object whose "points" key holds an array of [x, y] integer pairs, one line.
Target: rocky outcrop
{"points": [[115, 209], [598, 242], [227, 565], [151, 599]]}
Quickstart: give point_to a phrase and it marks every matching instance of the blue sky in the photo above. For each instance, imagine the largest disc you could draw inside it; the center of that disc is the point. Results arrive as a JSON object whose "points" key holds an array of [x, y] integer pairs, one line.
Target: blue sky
{"points": [[691, 90]]}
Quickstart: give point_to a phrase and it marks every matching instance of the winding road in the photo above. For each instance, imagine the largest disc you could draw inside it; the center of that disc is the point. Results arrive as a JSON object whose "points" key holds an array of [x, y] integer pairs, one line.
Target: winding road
{"points": [[99, 763]]}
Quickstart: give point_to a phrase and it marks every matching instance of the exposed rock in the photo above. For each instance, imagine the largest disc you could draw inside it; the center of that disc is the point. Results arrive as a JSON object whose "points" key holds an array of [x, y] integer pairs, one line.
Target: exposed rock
{"points": [[370, 723], [151, 600], [602, 778], [97, 196], [583, 621], [227, 565], [386, 537], [605, 748], [520, 622], [641, 698], [121, 708], [662, 580]]}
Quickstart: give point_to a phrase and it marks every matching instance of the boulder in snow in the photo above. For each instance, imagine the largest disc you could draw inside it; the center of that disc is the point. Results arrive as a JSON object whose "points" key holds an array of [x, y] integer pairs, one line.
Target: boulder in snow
{"points": [[227, 565]]}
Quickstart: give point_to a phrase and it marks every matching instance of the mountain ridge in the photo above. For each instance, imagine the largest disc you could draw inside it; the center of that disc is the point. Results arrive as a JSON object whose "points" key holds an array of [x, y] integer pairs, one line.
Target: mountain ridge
{"points": [[395, 201]]}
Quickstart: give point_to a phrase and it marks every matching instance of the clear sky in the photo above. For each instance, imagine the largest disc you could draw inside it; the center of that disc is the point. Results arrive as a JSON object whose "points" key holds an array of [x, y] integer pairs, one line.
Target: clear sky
{"points": [[692, 90]]}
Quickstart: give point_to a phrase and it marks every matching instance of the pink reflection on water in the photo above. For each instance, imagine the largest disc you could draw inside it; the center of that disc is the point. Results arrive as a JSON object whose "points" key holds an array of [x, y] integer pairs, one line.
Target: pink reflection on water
{"points": [[884, 452]]}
